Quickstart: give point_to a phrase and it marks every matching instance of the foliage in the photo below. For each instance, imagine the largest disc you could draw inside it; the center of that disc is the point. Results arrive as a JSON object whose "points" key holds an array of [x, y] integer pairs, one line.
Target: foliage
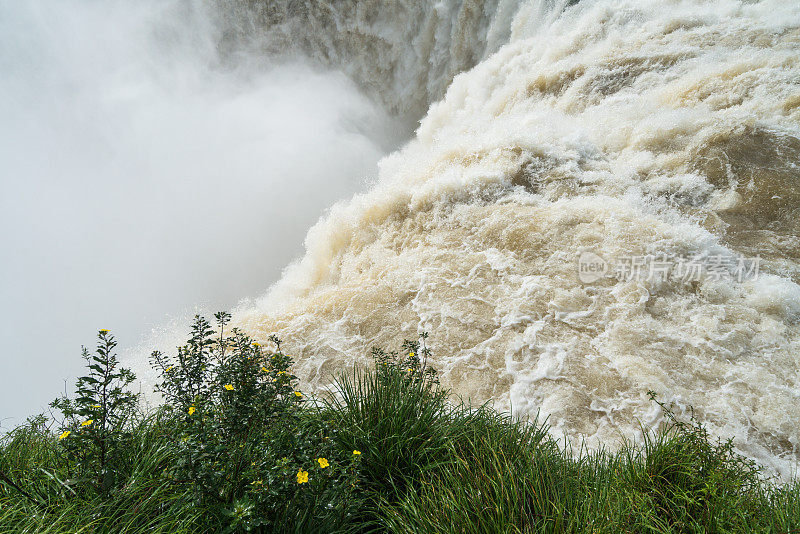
{"points": [[396, 415], [236, 447], [94, 422], [243, 438]]}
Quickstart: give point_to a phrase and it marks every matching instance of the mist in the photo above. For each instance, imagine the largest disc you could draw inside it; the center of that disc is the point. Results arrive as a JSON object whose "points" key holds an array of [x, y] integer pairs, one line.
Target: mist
{"points": [[145, 177]]}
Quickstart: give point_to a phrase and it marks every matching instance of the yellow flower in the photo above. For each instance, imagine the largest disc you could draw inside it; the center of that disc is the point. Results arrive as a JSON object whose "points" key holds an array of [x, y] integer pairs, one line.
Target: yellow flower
{"points": [[302, 476], [170, 368], [104, 331], [298, 394], [356, 453], [64, 434], [191, 410], [87, 423], [411, 354], [255, 344], [323, 462], [95, 406], [264, 369], [229, 387]]}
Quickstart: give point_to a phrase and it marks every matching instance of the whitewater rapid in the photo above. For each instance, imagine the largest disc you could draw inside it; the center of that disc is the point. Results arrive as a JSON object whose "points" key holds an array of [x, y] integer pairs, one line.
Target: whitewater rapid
{"points": [[620, 128]]}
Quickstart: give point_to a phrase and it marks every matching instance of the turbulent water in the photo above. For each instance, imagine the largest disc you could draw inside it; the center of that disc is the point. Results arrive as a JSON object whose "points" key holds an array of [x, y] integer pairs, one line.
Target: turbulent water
{"points": [[603, 130]]}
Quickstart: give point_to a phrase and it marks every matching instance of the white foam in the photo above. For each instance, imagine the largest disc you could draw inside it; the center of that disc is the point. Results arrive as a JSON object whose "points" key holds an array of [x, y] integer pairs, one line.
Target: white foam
{"points": [[588, 131]]}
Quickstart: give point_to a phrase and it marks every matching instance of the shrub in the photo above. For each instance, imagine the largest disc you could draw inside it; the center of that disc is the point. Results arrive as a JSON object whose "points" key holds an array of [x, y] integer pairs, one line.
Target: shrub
{"points": [[95, 422], [246, 447]]}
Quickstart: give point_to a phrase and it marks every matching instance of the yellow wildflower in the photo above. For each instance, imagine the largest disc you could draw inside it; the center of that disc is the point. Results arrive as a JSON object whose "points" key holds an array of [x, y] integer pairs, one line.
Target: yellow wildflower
{"points": [[265, 369], [64, 434], [298, 394], [191, 410], [323, 462], [104, 331], [87, 423], [229, 387], [170, 368], [411, 354], [302, 476], [255, 344], [356, 453]]}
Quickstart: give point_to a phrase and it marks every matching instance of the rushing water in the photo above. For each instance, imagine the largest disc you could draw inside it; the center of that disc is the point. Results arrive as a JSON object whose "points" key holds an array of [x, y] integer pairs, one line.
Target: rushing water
{"points": [[567, 153], [619, 129]]}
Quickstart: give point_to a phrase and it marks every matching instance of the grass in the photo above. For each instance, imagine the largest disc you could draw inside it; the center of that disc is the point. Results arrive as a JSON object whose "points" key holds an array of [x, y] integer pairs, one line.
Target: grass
{"points": [[146, 502], [428, 464]]}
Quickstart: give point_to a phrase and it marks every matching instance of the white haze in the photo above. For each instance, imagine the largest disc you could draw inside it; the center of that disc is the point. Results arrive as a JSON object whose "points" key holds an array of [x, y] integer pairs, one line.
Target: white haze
{"points": [[143, 177]]}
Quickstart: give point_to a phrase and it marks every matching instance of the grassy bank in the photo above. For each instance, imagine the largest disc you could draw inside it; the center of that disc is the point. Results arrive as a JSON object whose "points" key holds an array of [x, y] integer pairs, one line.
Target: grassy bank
{"points": [[237, 446]]}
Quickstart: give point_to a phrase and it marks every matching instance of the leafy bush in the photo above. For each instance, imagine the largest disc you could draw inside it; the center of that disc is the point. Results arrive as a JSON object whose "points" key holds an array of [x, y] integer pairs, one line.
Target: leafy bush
{"points": [[246, 447], [95, 421]]}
